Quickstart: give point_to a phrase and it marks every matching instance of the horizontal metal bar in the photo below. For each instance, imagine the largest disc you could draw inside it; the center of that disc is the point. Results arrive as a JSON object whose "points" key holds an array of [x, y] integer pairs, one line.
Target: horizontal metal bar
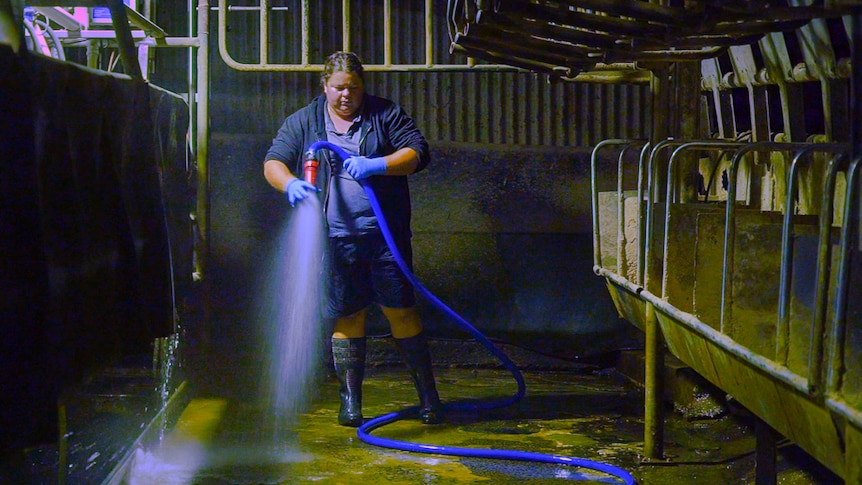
{"points": [[252, 8], [724, 342], [71, 37], [798, 74], [618, 280], [839, 406]]}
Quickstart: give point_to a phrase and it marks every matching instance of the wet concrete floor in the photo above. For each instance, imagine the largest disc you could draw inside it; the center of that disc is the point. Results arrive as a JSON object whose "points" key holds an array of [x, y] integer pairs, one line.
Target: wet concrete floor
{"points": [[226, 436]]}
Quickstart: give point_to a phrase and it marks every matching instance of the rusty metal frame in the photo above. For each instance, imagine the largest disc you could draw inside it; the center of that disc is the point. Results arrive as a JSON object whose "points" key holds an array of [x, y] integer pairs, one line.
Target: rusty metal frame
{"points": [[817, 388]]}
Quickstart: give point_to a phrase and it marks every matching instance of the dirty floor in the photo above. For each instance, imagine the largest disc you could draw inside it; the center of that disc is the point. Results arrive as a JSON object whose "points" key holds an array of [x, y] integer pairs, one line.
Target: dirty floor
{"points": [[229, 438], [222, 433]]}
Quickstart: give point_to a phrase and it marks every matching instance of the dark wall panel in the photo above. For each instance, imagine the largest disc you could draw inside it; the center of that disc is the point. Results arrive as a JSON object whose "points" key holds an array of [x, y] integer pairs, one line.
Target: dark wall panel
{"points": [[87, 268]]}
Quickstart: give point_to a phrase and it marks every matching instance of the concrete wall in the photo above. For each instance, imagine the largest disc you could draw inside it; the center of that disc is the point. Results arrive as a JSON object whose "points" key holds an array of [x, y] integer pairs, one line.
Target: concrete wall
{"points": [[502, 235]]}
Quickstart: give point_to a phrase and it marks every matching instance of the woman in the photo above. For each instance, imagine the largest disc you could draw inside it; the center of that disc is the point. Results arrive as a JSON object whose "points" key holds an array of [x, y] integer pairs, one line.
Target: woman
{"points": [[363, 271]]}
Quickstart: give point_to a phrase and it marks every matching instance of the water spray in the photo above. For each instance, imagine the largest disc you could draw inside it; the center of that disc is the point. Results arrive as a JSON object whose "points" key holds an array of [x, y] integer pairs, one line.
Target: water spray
{"points": [[364, 431]]}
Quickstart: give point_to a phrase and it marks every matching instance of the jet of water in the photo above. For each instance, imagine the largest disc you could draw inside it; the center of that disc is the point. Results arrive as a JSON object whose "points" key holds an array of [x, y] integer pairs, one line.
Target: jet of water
{"points": [[293, 317]]}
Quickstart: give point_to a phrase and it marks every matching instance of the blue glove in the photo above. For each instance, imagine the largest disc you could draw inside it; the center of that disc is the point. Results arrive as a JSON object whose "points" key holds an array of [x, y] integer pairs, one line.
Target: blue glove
{"points": [[364, 167], [299, 189]]}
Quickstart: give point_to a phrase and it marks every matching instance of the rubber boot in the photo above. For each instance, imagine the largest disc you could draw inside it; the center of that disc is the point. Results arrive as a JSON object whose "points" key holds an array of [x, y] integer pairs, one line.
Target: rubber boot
{"points": [[414, 351], [348, 355]]}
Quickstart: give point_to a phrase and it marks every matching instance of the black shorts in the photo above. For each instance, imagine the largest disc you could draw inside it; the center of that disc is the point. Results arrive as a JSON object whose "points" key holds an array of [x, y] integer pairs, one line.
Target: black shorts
{"points": [[363, 271]]}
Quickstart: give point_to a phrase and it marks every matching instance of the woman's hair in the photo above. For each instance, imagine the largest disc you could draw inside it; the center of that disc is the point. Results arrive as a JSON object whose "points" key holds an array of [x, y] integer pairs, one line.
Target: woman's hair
{"points": [[341, 61]]}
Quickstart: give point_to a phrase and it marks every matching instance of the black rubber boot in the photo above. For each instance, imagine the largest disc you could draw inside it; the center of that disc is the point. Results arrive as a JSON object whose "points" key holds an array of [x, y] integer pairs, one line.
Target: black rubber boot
{"points": [[414, 351], [348, 355]]}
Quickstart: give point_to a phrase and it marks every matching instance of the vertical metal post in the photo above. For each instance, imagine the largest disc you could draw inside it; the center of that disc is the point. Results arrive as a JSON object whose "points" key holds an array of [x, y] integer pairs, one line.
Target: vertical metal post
{"points": [[263, 44], [63, 443], [192, 77], [766, 453], [654, 347], [202, 137], [429, 32], [387, 33], [853, 471], [654, 386], [305, 36], [345, 25]]}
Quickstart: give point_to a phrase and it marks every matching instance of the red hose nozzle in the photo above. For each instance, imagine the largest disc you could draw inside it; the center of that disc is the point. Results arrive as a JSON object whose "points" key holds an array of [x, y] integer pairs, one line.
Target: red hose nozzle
{"points": [[309, 170]]}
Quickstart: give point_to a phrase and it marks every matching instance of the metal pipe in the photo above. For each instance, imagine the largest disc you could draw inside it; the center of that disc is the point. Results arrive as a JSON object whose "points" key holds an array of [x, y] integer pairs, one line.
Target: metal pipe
{"points": [[650, 199], [429, 32], [345, 26], [621, 220], [263, 38], [816, 379], [202, 213], [124, 39], [616, 26], [641, 216], [522, 53], [305, 35], [724, 342], [650, 12], [671, 183], [597, 250], [783, 325], [842, 408], [653, 385], [839, 325], [387, 33], [251, 8], [730, 220]]}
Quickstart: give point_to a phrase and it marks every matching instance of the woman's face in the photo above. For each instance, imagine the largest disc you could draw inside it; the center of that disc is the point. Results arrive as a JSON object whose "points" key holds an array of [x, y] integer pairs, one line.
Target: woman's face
{"points": [[344, 92]]}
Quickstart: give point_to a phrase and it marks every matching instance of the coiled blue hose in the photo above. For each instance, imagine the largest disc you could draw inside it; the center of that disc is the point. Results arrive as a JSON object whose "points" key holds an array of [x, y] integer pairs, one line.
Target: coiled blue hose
{"points": [[364, 431]]}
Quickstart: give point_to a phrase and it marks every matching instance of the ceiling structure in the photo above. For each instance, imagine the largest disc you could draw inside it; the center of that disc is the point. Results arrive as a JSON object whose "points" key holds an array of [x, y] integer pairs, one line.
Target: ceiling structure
{"points": [[567, 37]]}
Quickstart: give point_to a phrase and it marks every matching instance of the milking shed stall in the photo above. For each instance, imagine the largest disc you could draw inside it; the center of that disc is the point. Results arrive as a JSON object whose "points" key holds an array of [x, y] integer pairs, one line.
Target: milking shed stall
{"points": [[575, 207]]}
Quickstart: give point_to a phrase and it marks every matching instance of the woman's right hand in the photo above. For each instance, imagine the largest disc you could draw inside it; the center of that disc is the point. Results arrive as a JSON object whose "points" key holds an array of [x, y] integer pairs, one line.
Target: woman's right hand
{"points": [[298, 189]]}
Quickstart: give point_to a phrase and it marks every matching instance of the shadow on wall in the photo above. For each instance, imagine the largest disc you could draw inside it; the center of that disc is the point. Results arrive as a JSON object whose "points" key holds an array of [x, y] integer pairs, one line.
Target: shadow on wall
{"points": [[89, 237], [502, 235]]}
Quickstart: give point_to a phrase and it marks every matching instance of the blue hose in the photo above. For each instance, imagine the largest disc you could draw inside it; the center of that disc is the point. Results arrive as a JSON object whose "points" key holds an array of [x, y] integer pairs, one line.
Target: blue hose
{"points": [[364, 431]]}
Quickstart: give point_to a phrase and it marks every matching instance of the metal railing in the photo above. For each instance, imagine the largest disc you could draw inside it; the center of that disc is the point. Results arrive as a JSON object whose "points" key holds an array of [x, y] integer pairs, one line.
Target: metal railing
{"points": [[601, 73], [822, 381]]}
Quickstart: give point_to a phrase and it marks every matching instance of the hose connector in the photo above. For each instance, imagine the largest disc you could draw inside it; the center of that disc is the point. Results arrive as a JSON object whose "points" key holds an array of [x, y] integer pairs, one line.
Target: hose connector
{"points": [[309, 167]]}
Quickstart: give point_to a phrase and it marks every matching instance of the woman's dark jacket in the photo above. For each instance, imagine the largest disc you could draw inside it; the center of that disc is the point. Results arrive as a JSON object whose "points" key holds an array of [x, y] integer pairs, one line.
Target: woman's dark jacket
{"points": [[386, 127]]}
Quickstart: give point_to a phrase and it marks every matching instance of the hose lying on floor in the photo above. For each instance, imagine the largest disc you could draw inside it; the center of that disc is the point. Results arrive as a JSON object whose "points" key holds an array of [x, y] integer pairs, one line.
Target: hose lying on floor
{"points": [[364, 431]]}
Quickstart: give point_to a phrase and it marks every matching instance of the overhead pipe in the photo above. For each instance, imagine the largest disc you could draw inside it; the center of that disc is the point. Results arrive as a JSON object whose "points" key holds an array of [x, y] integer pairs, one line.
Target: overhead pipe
{"points": [[647, 11], [510, 20], [520, 45], [690, 42], [611, 25], [472, 47]]}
